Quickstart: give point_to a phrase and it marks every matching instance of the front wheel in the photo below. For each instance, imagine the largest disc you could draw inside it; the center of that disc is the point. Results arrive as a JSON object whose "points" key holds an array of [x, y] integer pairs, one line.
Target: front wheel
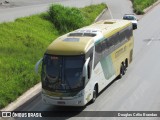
{"points": [[94, 94]]}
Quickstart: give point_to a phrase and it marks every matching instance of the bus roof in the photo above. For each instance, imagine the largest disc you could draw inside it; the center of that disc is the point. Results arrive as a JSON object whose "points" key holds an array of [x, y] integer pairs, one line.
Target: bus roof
{"points": [[80, 41]]}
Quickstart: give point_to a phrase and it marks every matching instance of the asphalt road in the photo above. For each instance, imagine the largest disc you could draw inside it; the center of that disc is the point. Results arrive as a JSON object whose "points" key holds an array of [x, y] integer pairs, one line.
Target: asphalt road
{"points": [[21, 8], [139, 89]]}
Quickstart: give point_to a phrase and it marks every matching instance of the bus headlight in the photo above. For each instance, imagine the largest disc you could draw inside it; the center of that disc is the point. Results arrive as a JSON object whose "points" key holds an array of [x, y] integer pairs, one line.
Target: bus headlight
{"points": [[80, 94]]}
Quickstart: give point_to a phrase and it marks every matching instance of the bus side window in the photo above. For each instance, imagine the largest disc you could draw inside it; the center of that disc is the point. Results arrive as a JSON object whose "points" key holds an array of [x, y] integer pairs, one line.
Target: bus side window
{"points": [[98, 48], [116, 39], [107, 43], [104, 46], [110, 43], [130, 33], [120, 37]]}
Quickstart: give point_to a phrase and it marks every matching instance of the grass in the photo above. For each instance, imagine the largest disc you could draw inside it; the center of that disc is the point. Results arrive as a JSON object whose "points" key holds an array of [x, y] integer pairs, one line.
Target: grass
{"points": [[23, 43], [140, 5], [67, 19]]}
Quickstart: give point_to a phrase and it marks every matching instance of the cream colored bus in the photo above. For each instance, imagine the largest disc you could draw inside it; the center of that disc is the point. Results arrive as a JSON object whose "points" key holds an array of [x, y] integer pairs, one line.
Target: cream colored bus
{"points": [[80, 64]]}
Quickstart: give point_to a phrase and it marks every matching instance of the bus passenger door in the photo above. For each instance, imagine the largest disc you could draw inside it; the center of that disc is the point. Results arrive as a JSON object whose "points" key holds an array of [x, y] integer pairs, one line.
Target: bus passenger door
{"points": [[88, 78]]}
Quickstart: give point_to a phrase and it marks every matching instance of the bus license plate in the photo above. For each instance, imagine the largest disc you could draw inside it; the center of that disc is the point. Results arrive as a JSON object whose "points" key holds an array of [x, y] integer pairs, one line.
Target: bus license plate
{"points": [[61, 102]]}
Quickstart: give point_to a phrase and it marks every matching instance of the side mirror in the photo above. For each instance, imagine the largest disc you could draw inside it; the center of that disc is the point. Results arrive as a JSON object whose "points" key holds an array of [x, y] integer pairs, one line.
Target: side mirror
{"points": [[89, 72], [37, 65], [85, 70]]}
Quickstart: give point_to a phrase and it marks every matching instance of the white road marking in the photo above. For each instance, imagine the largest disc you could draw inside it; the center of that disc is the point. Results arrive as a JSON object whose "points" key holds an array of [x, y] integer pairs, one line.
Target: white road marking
{"points": [[149, 42], [110, 13]]}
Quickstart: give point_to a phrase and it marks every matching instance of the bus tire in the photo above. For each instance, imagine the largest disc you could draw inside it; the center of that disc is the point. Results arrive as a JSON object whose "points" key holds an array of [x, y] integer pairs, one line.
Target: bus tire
{"points": [[122, 71], [95, 93], [126, 64]]}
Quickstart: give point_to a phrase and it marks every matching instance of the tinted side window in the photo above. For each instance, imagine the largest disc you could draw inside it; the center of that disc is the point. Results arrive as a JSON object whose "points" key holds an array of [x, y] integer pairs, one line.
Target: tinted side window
{"points": [[97, 56], [98, 48]]}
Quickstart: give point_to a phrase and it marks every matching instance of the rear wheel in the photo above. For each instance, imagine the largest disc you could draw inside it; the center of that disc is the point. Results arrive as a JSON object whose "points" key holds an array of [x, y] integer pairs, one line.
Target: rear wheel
{"points": [[126, 63], [122, 70]]}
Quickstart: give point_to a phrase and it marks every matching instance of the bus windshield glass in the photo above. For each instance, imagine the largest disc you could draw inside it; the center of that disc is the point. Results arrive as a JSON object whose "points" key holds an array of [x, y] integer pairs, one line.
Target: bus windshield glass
{"points": [[62, 73]]}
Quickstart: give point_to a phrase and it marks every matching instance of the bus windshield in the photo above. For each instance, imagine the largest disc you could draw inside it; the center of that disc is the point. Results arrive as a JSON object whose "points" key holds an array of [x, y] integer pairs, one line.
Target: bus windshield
{"points": [[62, 73]]}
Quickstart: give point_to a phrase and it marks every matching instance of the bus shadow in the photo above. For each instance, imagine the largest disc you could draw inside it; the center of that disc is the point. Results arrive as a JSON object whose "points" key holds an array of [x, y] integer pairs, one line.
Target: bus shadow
{"points": [[65, 112], [116, 79]]}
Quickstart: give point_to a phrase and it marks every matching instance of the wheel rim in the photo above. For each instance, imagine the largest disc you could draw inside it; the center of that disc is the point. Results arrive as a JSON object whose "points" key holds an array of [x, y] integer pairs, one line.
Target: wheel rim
{"points": [[94, 95], [122, 71]]}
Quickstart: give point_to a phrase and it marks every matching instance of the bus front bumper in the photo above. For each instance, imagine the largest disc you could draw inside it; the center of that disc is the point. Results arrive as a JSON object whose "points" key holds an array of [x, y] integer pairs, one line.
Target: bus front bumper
{"points": [[63, 102]]}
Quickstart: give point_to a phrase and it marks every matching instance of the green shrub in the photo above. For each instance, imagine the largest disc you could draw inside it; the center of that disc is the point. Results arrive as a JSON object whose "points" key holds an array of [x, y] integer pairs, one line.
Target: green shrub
{"points": [[66, 19], [140, 5]]}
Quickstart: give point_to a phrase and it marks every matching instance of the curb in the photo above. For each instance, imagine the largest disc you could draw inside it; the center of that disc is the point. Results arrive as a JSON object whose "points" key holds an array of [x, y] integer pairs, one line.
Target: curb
{"points": [[27, 96], [100, 15], [152, 6]]}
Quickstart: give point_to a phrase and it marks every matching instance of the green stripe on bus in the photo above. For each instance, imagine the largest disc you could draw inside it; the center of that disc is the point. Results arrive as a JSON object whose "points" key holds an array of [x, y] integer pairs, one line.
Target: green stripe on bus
{"points": [[107, 66]]}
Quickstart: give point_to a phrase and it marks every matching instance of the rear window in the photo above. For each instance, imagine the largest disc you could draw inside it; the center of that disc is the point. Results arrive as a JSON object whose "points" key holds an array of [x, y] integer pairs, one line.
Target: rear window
{"points": [[129, 18]]}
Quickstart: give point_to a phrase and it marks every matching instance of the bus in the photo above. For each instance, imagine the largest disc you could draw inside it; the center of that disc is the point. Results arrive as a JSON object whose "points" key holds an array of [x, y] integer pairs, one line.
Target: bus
{"points": [[80, 64]]}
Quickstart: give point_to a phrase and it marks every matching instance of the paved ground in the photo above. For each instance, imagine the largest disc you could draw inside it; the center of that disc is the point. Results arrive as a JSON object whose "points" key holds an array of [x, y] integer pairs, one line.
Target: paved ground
{"points": [[20, 8], [139, 89], [26, 8]]}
